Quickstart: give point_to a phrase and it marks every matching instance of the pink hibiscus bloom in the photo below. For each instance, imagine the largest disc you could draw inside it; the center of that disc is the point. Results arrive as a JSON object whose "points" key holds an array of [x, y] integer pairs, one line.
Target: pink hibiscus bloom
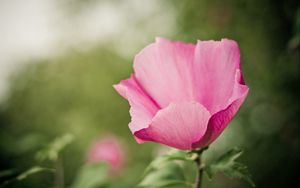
{"points": [[184, 95], [108, 150]]}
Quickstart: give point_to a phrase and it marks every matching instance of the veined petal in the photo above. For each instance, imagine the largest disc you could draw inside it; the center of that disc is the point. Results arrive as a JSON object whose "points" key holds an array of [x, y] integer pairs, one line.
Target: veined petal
{"points": [[179, 125], [215, 65], [164, 70]]}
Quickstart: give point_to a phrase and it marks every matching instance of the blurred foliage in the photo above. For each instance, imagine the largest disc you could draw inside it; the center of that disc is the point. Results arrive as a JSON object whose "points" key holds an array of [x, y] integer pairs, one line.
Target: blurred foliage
{"points": [[71, 93], [10, 177], [31, 171], [52, 151], [91, 176]]}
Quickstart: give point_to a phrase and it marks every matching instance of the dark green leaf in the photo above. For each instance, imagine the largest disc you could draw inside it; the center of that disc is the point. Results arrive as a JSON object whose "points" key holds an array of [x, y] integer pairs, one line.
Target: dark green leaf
{"points": [[31, 171], [227, 164], [6, 173]]}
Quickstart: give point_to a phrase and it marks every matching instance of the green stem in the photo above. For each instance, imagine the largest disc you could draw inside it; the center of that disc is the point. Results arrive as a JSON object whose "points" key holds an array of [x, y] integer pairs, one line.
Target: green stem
{"points": [[199, 175], [199, 166]]}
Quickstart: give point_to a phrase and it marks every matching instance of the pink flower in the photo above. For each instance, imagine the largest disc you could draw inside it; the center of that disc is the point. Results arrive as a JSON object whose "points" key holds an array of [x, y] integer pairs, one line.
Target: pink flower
{"points": [[109, 150], [184, 95]]}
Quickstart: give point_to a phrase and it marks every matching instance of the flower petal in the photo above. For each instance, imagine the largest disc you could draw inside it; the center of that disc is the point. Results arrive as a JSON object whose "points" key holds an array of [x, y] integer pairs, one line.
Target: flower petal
{"points": [[164, 71], [221, 119], [215, 65], [142, 107], [179, 125]]}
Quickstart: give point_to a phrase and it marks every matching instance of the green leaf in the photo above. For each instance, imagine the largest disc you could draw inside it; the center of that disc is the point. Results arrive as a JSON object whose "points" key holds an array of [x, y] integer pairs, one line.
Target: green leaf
{"points": [[91, 176], [164, 171], [167, 174], [227, 164], [51, 151], [173, 155]]}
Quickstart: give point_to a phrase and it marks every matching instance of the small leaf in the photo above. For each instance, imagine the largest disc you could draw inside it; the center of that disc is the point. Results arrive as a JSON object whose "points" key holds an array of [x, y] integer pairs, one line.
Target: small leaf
{"points": [[91, 176], [51, 151], [227, 164], [31, 171], [239, 170]]}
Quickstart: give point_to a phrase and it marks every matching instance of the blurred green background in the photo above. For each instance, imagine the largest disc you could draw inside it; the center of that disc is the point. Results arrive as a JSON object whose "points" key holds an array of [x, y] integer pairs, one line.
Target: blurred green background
{"points": [[69, 88]]}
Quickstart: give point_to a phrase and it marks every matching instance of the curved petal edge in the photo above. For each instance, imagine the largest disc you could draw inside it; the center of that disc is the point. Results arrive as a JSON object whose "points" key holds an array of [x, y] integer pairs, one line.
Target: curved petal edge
{"points": [[142, 107], [178, 125], [220, 120]]}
